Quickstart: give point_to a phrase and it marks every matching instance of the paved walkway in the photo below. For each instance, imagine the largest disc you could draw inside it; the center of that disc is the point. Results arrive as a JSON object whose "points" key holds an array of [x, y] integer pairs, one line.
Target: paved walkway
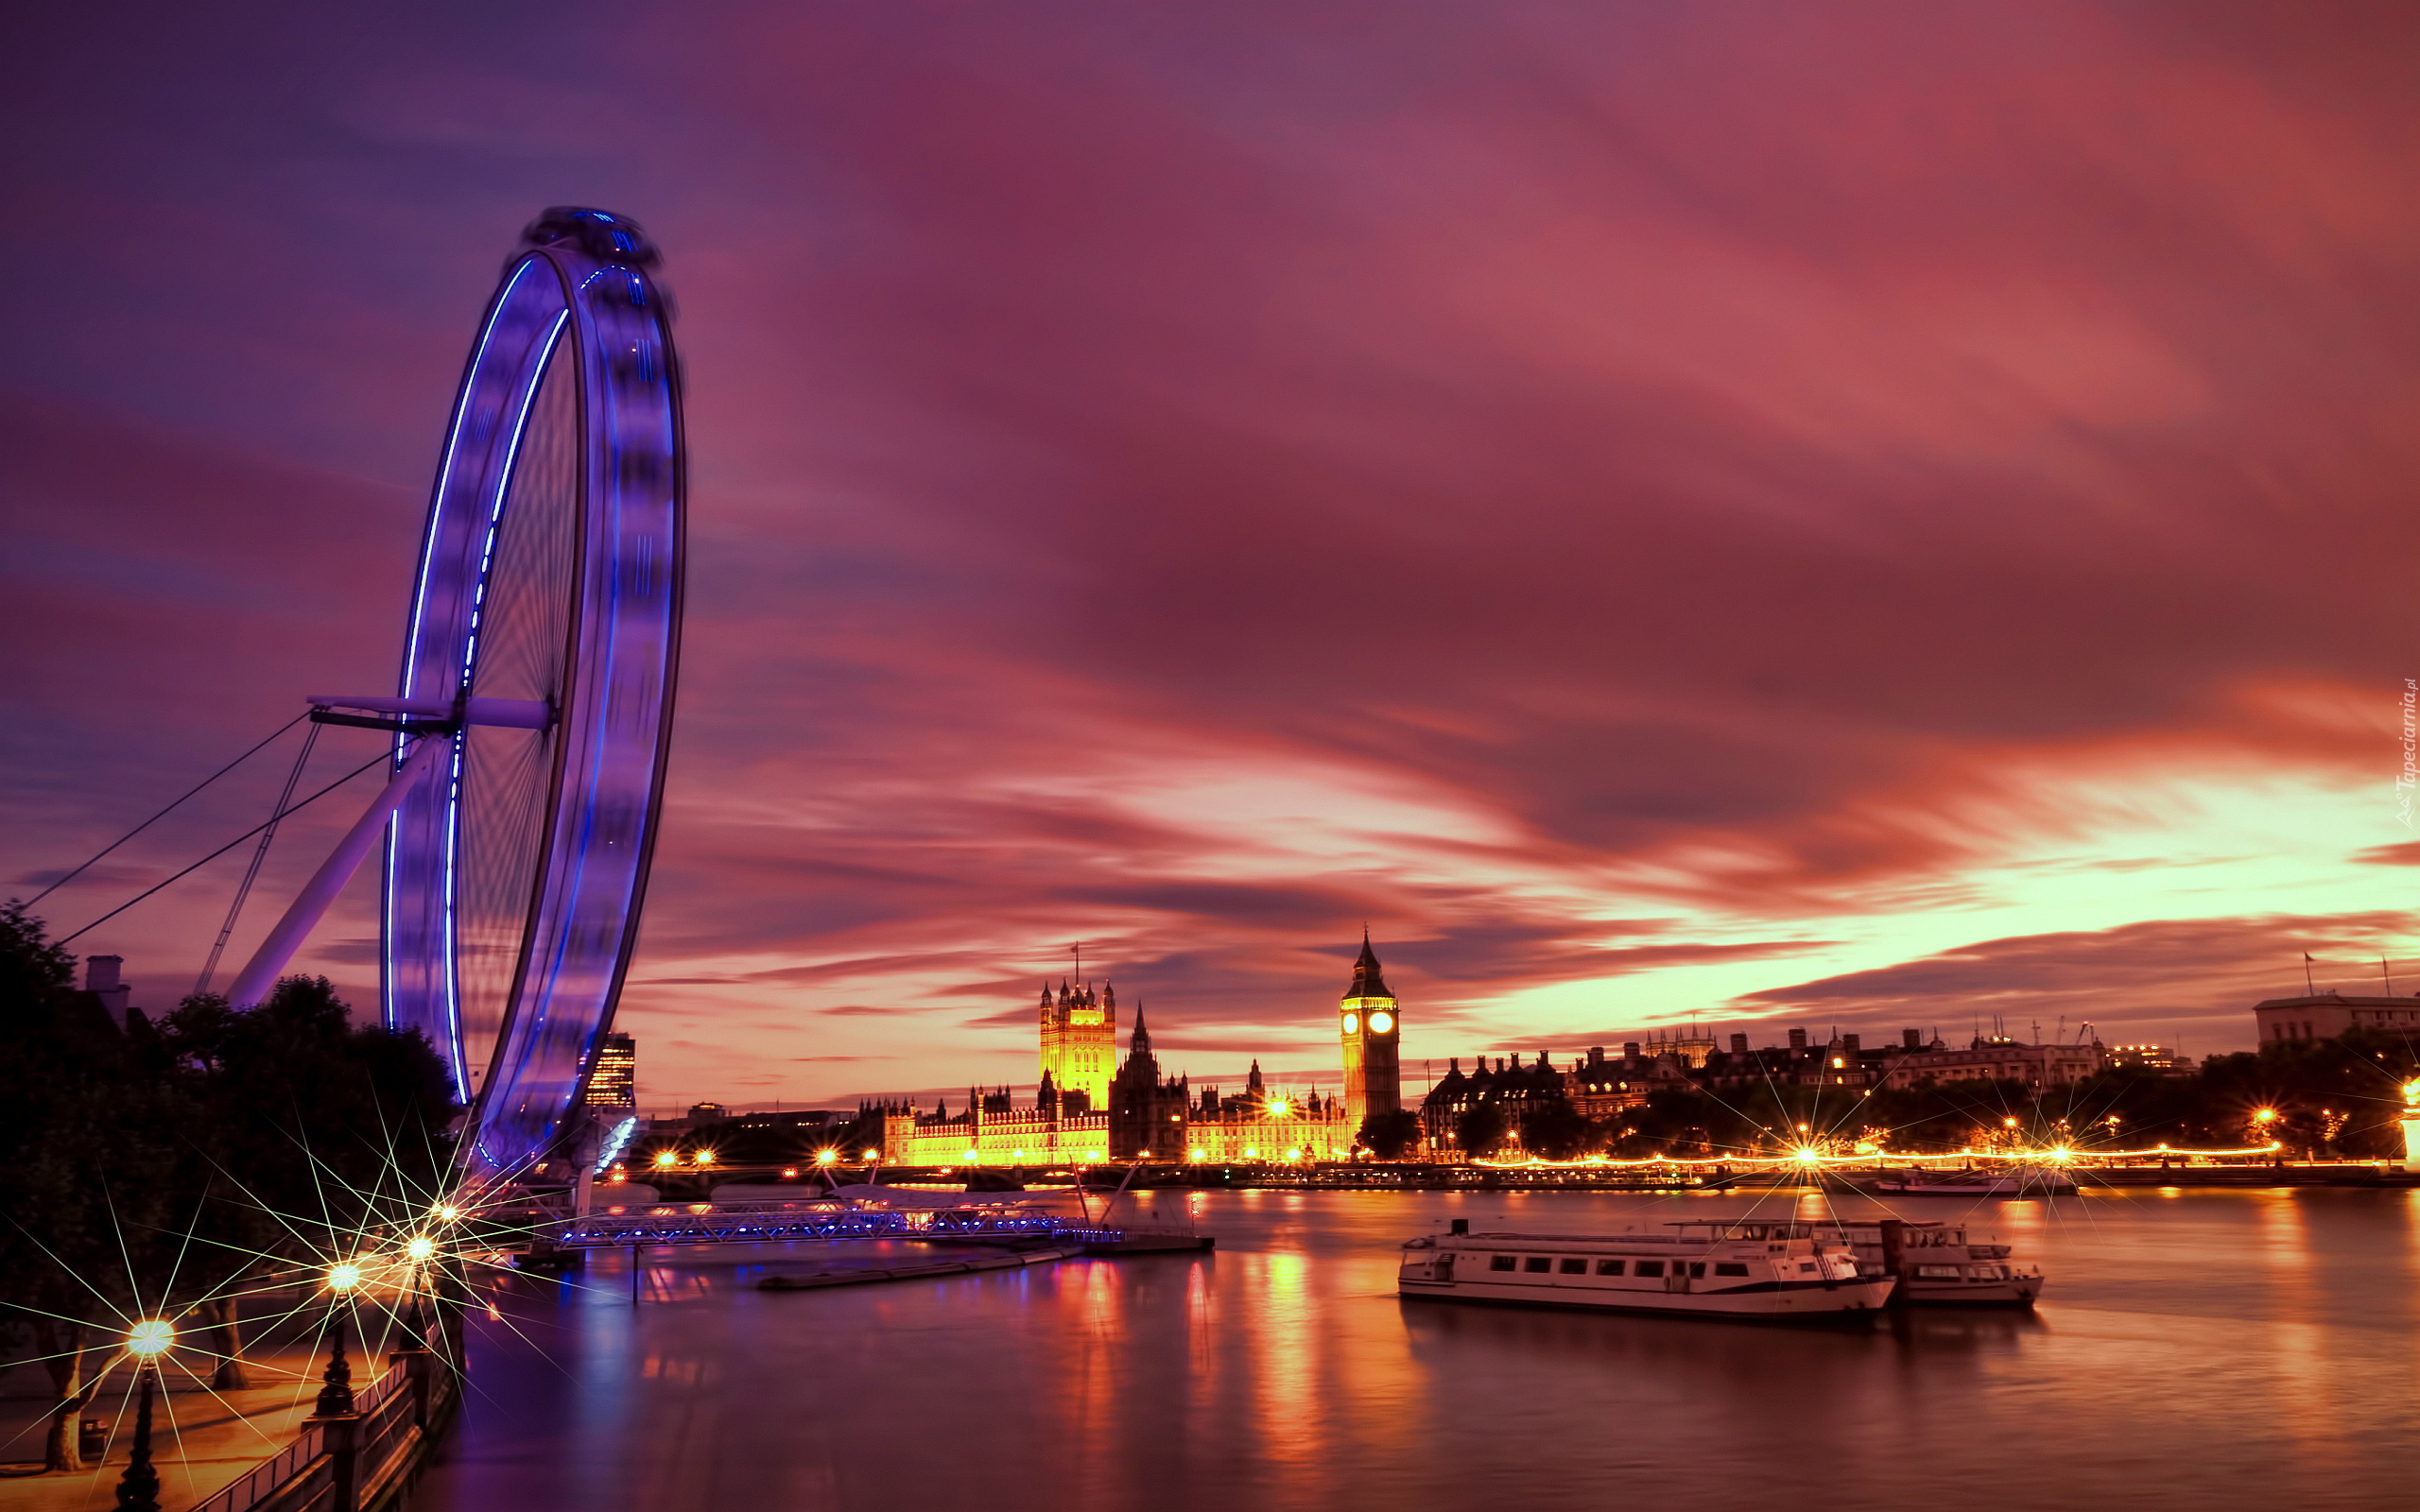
{"points": [[201, 1439]]}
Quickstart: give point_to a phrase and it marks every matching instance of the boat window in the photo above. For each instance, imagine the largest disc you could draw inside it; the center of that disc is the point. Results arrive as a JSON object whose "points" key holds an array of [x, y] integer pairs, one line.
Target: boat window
{"points": [[1499, 1262], [1575, 1267], [1807, 1267], [1609, 1267], [1937, 1273], [1647, 1267], [1538, 1262], [1697, 1270], [1723, 1267]]}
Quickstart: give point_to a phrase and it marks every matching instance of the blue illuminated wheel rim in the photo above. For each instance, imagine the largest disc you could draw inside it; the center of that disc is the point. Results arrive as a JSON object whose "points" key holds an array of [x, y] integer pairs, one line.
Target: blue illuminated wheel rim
{"points": [[550, 573]]}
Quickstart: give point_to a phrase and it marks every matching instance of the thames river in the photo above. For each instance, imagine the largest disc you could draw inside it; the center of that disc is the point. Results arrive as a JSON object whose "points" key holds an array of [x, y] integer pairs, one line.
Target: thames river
{"points": [[2194, 1349]]}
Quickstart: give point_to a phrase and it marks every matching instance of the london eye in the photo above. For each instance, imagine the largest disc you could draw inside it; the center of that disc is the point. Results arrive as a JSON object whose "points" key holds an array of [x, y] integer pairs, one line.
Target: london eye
{"points": [[534, 708]]}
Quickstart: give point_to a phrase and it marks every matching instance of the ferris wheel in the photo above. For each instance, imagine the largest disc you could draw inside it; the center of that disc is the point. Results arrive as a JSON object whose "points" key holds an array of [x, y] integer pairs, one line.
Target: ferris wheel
{"points": [[535, 705]]}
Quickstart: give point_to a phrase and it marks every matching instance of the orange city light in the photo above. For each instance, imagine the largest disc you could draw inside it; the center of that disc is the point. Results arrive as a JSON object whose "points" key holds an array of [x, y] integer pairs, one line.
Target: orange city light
{"points": [[151, 1338], [2265, 1115]]}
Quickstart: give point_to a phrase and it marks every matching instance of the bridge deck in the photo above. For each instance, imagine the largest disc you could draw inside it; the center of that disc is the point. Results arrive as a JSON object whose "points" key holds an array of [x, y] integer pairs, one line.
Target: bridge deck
{"points": [[761, 1222]]}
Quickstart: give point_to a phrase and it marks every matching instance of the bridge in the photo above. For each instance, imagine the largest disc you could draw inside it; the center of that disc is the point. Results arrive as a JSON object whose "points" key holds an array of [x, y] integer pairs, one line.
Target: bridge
{"points": [[762, 1221]]}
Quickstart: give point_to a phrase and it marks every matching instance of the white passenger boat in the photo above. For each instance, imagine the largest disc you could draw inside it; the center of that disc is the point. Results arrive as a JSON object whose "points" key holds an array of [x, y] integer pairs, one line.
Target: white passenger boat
{"points": [[1803, 1277], [1936, 1263]]}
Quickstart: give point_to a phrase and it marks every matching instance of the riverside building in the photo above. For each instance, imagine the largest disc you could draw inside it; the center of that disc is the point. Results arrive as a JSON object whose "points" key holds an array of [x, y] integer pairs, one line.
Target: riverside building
{"points": [[2325, 1015], [614, 1080], [1140, 1114]]}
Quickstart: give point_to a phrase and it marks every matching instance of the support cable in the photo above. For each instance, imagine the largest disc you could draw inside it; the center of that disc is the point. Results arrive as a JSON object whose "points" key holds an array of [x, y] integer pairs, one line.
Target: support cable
{"points": [[260, 853], [164, 813], [382, 756]]}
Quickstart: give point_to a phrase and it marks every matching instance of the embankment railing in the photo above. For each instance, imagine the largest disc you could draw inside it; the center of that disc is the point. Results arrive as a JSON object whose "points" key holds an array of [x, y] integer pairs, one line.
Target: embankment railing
{"points": [[357, 1461]]}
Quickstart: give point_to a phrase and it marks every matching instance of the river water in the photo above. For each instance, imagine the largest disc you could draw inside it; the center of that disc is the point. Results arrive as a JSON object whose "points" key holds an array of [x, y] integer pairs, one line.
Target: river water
{"points": [[2201, 1350]]}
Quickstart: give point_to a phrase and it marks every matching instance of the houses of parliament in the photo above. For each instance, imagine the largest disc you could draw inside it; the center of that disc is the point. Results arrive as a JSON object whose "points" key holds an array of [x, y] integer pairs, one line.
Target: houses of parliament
{"points": [[1092, 1107]]}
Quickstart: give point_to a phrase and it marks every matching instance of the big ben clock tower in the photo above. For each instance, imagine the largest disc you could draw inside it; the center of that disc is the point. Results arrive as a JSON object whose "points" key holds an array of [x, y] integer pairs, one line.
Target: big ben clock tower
{"points": [[1372, 1030]]}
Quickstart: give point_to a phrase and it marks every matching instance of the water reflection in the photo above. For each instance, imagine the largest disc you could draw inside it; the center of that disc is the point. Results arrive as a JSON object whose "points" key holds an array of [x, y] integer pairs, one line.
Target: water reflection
{"points": [[2211, 1349]]}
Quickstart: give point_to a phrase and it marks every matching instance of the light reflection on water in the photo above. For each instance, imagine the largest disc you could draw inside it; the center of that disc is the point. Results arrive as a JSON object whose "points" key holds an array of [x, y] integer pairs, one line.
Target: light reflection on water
{"points": [[2196, 1349]]}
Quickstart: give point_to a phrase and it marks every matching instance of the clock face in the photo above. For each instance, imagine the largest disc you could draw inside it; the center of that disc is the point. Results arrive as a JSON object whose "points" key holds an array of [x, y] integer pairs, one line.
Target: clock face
{"points": [[1352, 1022], [1381, 1021]]}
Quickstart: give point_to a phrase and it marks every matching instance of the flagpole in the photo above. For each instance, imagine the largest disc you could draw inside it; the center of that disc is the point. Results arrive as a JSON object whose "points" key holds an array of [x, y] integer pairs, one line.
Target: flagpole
{"points": [[2389, 975], [2309, 991]]}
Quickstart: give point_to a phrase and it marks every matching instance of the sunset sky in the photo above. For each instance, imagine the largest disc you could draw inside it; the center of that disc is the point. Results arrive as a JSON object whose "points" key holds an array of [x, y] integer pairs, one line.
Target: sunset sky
{"points": [[1872, 516]]}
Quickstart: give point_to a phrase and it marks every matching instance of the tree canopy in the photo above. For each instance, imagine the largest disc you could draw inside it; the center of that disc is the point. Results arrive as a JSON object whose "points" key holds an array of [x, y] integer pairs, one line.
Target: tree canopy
{"points": [[145, 1169]]}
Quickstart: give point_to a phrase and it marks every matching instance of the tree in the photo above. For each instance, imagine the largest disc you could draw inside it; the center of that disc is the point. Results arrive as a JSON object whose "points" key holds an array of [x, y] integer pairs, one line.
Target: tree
{"points": [[224, 1138], [1388, 1136], [316, 1129], [89, 1134], [1481, 1129], [1555, 1130]]}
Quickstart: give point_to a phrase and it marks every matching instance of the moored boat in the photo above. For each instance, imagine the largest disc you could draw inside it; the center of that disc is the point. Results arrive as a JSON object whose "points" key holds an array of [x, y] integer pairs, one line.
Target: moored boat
{"points": [[1935, 1263], [2024, 1182], [1804, 1277]]}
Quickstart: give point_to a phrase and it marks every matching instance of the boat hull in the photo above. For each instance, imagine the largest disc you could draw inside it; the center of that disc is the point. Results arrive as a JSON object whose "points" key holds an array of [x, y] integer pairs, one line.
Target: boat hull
{"points": [[1844, 1302], [2017, 1292]]}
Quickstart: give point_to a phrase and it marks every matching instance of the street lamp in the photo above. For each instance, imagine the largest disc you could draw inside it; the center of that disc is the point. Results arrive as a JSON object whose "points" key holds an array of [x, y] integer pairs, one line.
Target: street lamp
{"points": [[336, 1394], [138, 1489]]}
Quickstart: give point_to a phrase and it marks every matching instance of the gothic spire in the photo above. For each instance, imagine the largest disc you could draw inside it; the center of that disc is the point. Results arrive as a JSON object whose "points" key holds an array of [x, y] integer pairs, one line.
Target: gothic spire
{"points": [[1367, 983]]}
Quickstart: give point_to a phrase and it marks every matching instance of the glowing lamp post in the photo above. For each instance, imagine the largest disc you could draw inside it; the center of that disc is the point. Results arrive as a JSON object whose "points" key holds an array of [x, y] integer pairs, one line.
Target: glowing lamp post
{"points": [[2409, 1124], [336, 1396], [138, 1489], [339, 1425]]}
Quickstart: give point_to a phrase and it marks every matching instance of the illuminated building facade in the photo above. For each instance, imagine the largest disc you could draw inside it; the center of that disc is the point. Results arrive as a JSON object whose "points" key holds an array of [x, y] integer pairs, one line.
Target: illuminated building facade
{"points": [[2162, 1058], [1139, 1114], [1079, 1042], [1371, 1024], [1512, 1089], [1992, 1058], [990, 1132], [613, 1077], [1147, 1115]]}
